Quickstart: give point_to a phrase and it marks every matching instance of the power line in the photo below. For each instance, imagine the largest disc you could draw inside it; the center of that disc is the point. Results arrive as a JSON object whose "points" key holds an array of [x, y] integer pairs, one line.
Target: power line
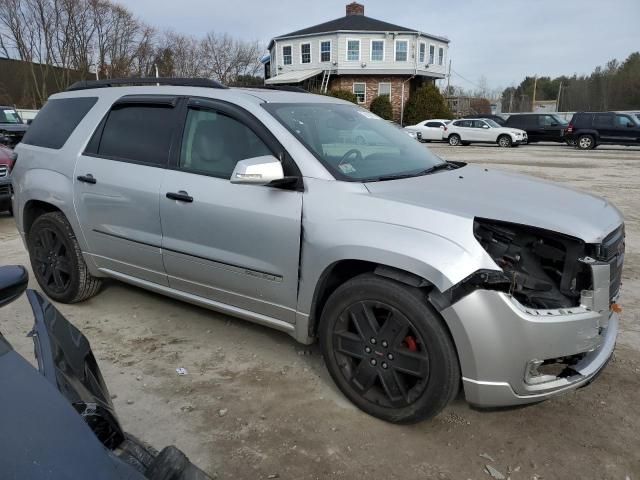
{"points": [[467, 80]]}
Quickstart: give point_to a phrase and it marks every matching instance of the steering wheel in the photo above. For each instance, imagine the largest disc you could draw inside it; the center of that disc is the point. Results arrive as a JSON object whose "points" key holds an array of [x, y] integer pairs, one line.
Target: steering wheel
{"points": [[353, 152]]}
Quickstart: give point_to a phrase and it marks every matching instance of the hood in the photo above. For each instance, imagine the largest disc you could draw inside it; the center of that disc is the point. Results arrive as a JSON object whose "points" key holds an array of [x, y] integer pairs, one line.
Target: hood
{"points": [[473, 191]]}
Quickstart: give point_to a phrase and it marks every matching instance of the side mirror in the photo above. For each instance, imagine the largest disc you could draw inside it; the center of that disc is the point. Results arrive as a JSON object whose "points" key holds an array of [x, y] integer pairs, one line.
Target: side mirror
{"points": [[258, 171], [630, 125], [30, 121], [13, 282], [485, 127]]}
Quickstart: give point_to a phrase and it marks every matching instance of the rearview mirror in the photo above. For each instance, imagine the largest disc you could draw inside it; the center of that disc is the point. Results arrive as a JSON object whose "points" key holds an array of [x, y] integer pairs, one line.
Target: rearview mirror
{"points": [[258, 171], [13, 282]]}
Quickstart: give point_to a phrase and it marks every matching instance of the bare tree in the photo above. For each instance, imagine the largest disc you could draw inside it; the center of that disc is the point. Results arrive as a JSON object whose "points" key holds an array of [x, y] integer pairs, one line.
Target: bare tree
{"points": [[225, 58]]}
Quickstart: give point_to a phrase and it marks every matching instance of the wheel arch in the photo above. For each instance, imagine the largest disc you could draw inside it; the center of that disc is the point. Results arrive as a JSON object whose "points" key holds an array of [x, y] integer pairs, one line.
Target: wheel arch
{"points": [[341, 271]]}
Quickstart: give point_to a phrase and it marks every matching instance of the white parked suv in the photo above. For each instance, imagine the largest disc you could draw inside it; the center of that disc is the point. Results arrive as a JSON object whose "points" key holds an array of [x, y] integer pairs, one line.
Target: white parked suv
{"points": [[483, 130], [430, 129]]}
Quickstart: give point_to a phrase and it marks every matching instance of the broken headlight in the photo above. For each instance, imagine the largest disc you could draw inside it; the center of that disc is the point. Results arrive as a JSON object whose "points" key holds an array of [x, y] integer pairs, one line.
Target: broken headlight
{"points": [[540, 268]]}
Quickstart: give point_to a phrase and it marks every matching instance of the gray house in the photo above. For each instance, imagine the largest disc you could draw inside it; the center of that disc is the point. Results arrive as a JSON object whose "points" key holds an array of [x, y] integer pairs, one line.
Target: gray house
{"points": [[366, 56]]}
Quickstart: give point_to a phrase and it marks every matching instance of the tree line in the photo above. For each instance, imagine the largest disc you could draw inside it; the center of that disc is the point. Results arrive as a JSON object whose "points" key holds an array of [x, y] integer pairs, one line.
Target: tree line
{"points": [[66, 40], [616, 86]]}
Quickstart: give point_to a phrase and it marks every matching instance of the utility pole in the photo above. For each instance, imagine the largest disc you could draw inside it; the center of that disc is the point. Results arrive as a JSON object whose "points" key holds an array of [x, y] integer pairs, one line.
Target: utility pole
{"points": [[535, 85], [448, 78], [558, 99]]}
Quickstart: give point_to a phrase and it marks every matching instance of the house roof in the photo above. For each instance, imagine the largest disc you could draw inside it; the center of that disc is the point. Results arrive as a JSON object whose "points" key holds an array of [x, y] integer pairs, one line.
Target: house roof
{"points": [[352, 23]]}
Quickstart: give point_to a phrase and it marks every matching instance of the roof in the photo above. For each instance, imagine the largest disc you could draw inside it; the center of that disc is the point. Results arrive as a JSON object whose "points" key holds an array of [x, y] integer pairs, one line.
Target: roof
{"points": [[353, 23], [296, 76]]}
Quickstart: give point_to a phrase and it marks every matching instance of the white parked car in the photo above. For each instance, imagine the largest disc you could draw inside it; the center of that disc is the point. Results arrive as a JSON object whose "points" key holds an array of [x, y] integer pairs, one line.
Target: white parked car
{"points": [[483, 130], [429, 129]]}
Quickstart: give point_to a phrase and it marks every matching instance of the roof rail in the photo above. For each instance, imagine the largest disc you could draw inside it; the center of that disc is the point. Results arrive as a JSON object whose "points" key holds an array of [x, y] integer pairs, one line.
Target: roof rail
{"points": [[113, 82], [284, 88]]}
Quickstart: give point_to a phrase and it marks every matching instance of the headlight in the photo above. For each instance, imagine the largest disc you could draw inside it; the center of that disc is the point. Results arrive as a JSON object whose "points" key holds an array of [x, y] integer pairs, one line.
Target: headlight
{"points": [[542, 267]]}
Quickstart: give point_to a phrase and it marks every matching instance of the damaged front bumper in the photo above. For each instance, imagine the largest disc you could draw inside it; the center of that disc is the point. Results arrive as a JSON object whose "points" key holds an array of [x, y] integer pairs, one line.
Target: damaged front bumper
{"points": [[510, 354]]}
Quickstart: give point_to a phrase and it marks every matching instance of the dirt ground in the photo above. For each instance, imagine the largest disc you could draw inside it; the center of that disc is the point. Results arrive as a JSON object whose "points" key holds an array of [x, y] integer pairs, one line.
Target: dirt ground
{"points": [[257, 405]]}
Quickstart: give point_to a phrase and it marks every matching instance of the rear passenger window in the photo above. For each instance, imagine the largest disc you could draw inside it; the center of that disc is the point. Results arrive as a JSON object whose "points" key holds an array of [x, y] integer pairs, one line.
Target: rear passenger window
{"points": [[434, 124], [213, 143], [57, 120], [604, 121], [138, 133]]}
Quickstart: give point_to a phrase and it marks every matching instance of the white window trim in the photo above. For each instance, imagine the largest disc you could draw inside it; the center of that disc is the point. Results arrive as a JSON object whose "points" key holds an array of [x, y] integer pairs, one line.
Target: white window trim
{"points": [[441, 59], [395, 50], [429, 54], [282, 47], [359, 49], [384, 49], [320, 42], [310, 54], [424, 60], [385, 83], [353, 89]]}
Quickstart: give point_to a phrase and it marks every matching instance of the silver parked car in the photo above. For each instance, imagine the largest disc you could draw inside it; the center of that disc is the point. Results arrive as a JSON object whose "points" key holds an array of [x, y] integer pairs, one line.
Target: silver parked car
{"points": [[416, 275]]}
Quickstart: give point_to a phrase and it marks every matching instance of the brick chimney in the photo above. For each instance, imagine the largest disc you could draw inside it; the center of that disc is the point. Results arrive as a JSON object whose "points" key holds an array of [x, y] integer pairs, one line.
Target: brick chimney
{"points": [[355, 8]]}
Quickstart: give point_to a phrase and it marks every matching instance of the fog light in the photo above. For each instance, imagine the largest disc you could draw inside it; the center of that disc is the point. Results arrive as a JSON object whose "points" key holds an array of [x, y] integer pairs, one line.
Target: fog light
{"points": [[535, 374]]}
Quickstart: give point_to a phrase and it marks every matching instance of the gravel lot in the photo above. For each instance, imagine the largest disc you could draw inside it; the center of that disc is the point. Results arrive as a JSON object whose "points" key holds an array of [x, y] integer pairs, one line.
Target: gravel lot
{"points": [[256, 404]]}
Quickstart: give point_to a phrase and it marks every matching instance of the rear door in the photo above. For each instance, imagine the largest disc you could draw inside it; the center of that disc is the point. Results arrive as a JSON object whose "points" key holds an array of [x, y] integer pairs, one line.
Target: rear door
{"points": [[117, 185], [234, 244], [465, 130]]}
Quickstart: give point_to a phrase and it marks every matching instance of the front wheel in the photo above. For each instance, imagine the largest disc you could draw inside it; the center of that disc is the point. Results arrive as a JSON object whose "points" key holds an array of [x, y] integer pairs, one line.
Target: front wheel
{"points": [[454, 140], [388, 350], [505, 141]]}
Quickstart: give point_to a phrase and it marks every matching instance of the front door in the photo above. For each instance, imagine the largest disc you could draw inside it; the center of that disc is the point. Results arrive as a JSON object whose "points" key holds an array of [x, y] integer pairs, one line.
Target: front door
{"points": [[234, 244], [117, 186]]}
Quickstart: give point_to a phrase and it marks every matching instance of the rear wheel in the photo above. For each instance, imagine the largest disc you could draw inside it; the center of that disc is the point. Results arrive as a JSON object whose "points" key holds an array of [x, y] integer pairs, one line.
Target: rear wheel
{"points": [[57, 262], [454, 140], [388, 350], [505, 141], [586, 142], [571, 142]]}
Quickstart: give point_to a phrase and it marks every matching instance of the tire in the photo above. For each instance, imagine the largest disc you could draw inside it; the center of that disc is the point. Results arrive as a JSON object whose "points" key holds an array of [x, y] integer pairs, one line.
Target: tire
{"points": [[388, 350], [505, 141], [586, 142], [57, 262], [572, 142], [136, 453], [454, 140]]}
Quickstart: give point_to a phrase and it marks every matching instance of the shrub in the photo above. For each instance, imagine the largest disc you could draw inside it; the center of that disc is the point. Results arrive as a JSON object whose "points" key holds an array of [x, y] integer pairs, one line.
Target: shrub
{"points": [[426, 103], [344, 95], [381, 106]]}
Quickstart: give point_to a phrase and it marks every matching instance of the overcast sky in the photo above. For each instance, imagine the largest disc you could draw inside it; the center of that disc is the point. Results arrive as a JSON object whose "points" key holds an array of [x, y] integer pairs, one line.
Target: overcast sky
{"points": [[502, 40]]}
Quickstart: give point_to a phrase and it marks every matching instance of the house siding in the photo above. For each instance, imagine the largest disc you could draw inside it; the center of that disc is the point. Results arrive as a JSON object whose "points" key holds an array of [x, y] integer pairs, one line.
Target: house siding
{"points": [[339, 53]]}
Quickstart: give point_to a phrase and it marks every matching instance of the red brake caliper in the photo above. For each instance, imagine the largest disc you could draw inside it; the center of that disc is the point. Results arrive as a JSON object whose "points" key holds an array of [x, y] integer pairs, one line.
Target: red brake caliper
{"points": [[411, 344]]}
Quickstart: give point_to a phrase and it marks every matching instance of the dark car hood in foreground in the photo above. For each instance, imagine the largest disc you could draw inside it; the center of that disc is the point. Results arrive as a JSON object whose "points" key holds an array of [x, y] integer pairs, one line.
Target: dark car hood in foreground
{"points": [[473, 191]]}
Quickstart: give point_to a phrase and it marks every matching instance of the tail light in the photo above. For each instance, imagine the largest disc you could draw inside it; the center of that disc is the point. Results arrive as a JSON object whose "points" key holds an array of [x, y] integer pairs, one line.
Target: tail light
{"points": [[445, 128], [570, 128]]}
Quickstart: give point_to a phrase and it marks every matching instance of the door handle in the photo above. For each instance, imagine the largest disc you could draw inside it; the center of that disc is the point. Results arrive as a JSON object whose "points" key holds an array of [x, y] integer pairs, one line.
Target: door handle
{"points": [[180, 196], [88, 178]]}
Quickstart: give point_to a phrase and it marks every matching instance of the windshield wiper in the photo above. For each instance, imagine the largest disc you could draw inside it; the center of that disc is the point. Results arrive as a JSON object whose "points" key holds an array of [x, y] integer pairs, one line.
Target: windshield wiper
{"points": [[435, 168]]}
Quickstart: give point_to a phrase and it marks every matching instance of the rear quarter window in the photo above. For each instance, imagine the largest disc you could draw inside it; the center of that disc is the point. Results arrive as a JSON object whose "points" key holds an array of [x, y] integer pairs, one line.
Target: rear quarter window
{"points": [[57, 120]]}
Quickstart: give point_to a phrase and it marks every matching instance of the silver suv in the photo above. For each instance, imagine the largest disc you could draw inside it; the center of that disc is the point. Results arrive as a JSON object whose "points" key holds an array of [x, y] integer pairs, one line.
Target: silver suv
{"points": [[415, 274]]}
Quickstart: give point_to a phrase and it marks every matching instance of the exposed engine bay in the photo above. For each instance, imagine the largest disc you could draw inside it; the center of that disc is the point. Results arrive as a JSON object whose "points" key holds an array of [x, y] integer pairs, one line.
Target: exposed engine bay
{"points": [[541, 269]]}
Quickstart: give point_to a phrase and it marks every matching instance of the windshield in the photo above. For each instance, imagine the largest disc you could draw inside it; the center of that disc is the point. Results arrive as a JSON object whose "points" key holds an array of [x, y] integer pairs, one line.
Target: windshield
{"points": [[353, 143], [492, 123], [9, 116]]}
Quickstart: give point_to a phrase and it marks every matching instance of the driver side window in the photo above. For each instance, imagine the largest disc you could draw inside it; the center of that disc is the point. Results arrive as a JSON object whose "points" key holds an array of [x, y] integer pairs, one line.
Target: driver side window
{"points": [[478, 124], [623, 121], [213, 143]]}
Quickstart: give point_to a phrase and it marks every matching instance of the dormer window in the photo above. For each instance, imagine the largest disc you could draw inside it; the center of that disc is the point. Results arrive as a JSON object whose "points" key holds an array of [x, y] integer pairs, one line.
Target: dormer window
{"points": [[353, 50], [402, 50]]}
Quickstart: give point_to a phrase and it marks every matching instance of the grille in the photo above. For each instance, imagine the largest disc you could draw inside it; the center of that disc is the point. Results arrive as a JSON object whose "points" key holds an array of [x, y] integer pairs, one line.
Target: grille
{"points": [[3, 171], [5, 189], [611, 250]]}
